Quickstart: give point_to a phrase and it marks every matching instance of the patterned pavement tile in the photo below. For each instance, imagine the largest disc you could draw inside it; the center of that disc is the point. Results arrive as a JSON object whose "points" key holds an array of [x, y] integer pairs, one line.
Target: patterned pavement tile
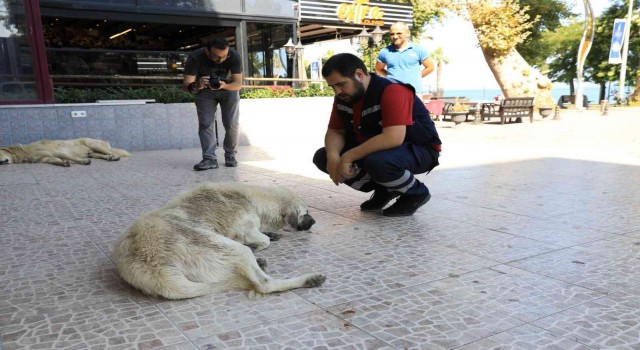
{"points": [[314, 330], [534, 207], [360, 265], [223, 312], [54, 249], [180, 346], [496, 246], [112, 325], [423, 317], [32, 295], [429, 281], [563, 237], [584, 269], [613, 247], [333, 201], [611, 322], [17, 175], [525, 337], [515, 292], [616, 219]]}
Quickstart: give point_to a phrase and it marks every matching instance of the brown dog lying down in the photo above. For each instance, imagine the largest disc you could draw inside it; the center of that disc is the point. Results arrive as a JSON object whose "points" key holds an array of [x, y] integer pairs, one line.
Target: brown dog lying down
{"points": [[61, 152], [201, 242]]}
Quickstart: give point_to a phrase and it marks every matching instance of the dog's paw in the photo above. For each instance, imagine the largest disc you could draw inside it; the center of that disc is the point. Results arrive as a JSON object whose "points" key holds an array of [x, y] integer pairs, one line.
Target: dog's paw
{"points": [[113, 158], [273, 236], [262, 262], [66, 164], [86, 162], [315, 281], [255, 295], [253, 246]]}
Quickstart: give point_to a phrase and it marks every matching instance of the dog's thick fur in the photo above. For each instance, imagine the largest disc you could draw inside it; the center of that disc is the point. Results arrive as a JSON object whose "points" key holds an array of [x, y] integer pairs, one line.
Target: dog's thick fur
{"points": [[201, 242], [61, 152]]}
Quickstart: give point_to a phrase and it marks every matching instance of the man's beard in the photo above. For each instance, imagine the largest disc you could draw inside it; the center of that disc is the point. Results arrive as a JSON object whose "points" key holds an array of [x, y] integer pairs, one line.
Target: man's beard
{"points": [[357, 95]]}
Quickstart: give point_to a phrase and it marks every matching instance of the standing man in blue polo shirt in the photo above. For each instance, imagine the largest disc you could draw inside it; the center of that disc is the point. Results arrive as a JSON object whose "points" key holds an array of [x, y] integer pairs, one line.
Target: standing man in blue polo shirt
{"points": [[403, 60]]}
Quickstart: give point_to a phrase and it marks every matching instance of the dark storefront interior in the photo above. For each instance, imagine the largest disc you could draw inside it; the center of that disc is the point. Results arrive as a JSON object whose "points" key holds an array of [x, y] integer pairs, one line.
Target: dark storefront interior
{"points": [[83, 52], [132, 43], [137, 43]]}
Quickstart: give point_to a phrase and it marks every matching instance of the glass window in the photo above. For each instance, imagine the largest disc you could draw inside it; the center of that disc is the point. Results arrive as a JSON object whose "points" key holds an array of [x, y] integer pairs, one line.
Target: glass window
{"points": [[17, 77], [267, 57], [83, 52]]}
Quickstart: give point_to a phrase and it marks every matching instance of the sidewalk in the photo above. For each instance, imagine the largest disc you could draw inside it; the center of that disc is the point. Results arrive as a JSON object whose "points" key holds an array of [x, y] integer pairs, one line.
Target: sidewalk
{"points": [[531, 241]]}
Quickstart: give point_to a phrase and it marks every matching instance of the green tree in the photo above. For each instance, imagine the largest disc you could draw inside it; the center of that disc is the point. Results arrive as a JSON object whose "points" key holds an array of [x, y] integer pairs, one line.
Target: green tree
{"points": [[500, 27], [550, 14], [602, 71], [439, 59], [563, 57]]}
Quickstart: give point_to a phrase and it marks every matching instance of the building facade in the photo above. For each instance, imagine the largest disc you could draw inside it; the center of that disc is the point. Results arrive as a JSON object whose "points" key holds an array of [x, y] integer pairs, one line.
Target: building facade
{"points": [[134, 43]]}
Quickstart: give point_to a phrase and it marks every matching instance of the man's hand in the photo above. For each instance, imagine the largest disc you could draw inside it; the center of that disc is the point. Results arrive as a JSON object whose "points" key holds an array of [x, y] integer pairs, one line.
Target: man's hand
{"points": [[333, 168], [347, 169]]}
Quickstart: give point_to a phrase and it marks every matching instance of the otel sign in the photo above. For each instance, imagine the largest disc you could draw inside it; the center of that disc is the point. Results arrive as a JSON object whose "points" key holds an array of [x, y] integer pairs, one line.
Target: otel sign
{"points": [[360, 13]]}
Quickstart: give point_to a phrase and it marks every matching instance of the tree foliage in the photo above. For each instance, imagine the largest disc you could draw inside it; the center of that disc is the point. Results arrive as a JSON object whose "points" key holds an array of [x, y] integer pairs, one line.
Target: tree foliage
{"points": [[597, 60], [563, 57], [550, 14], [499, 26]]}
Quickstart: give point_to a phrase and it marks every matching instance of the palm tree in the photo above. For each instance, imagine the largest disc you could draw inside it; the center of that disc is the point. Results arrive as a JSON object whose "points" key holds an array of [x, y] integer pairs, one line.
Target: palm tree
{"points": [[438, 58]]}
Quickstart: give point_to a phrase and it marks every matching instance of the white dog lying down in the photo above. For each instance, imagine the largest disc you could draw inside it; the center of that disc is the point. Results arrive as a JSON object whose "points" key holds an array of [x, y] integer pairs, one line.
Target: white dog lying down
{"points": [[201, 242], [61, 152]]}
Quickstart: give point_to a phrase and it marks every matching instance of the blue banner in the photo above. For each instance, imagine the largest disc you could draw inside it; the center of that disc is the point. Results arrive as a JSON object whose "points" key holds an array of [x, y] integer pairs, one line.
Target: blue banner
{"points": [[617, 39]]}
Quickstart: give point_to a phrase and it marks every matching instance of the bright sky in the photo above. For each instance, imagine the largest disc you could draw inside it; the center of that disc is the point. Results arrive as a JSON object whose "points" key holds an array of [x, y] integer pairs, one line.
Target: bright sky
{"points": [[467, 68]]}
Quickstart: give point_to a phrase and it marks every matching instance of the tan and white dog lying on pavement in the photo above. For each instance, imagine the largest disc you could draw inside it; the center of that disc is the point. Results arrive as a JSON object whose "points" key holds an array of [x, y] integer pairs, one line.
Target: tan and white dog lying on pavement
{"points": [[61, 152], [201, 242]]}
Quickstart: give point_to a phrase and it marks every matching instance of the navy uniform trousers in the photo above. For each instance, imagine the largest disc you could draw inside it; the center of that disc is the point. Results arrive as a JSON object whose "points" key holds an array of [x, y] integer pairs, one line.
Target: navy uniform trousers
{"points": [[391, 169]]}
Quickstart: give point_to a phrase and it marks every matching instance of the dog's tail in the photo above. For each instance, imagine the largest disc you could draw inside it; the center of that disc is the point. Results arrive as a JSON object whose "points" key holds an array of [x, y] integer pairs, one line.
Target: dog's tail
{"points": [[120, 152]]}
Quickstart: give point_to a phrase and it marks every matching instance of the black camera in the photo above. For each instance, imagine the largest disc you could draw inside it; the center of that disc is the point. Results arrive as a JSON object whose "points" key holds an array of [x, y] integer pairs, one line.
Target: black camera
{"points": [[214, 82]]}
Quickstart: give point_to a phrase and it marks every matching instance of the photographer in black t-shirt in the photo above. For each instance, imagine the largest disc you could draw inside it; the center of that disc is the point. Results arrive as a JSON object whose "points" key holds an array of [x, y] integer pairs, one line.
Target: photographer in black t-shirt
{"points": [[214, 74]]}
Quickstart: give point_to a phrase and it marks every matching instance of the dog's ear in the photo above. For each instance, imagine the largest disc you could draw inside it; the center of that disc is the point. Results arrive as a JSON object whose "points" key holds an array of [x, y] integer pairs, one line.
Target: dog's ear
{"points": [[292, 219]]}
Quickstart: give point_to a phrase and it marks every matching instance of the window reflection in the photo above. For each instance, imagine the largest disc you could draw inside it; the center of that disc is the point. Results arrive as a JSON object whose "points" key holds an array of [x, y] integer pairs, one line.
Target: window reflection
{"points": [[17, 80], [110, 53], [267, 58]]}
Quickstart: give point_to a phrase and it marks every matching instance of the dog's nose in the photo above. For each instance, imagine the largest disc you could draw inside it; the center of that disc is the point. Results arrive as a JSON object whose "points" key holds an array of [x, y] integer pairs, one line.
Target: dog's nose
{"points": [[307, 222], [4, 161]]}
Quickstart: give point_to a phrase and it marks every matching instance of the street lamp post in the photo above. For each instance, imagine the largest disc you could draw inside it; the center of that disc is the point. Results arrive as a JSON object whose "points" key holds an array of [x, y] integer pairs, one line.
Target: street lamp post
{"points": [[295, 51], [370, 40]]}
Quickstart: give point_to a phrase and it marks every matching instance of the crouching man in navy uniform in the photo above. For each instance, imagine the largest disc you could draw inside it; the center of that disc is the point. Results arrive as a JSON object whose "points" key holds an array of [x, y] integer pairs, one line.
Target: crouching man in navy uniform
{"points": [[379, 137]]}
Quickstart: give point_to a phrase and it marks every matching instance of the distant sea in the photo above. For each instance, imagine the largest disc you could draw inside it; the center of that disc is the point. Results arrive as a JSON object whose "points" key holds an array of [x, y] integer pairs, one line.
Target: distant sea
{"points": [[592, 93]]}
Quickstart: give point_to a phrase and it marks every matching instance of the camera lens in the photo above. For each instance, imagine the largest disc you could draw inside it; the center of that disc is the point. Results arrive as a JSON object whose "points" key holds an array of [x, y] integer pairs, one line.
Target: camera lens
{"points": [[214, 82]]}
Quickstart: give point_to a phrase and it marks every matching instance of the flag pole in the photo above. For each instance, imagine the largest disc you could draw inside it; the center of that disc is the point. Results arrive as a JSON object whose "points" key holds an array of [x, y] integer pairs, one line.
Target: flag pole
{"points": [[625, 51]]}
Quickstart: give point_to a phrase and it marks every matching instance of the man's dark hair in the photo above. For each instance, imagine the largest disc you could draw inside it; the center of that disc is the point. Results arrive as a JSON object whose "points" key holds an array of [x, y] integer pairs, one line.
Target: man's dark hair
{"points": [[344, 63], [217, 43]]}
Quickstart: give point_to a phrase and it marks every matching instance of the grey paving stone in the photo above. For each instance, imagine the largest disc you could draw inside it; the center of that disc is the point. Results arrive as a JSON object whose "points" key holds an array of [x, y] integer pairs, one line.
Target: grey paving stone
{"points": [[534, 246]]}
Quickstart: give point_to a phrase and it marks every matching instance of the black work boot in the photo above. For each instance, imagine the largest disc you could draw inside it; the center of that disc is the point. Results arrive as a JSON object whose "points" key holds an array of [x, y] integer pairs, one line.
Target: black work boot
{"points": [[206, 164], [378, 200], [407, 204], [230, 161]]}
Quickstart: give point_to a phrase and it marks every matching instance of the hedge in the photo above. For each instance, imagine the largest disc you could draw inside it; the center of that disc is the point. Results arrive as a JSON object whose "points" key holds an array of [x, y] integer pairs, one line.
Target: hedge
{"points": [[174, 94]]}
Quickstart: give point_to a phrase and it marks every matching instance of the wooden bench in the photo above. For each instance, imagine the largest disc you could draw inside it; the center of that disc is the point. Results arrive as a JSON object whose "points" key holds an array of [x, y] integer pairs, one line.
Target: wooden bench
{"points": [[513, 107]]}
